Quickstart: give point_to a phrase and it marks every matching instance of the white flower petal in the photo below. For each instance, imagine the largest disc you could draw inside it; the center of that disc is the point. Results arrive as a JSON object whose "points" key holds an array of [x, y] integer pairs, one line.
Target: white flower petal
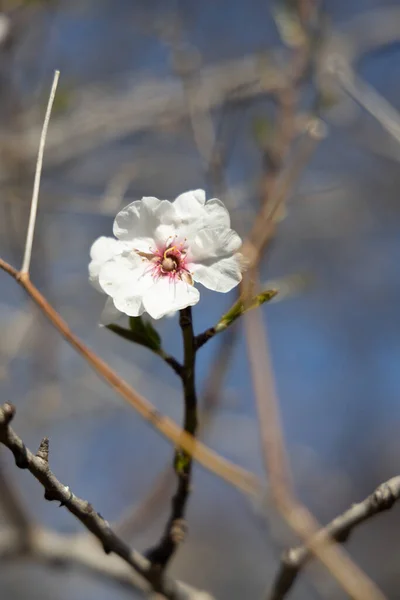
{"points": [[110, 313], [102, 250], [124, 275], [149, 217], [130, 305], [126, 224], [165, 212], [190, 205], [126, 279], [164, 235], [217, 213], [212, 243], [144, 244], [166, 296], [221, 276]]}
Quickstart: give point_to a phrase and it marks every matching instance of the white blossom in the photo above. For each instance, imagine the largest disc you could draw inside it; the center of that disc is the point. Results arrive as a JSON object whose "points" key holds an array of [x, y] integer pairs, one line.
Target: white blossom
{"points": [[161, 250]]}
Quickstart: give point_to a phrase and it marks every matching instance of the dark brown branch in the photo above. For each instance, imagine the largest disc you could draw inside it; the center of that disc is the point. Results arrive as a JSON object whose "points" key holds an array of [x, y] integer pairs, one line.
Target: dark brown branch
{"points": [[175, 529], [139, 517], [55, 491], [339, 530], [171, 361]]}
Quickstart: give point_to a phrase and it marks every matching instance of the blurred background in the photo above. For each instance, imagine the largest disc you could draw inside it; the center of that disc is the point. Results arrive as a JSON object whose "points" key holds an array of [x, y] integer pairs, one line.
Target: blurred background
{"points": [[156, 98]]}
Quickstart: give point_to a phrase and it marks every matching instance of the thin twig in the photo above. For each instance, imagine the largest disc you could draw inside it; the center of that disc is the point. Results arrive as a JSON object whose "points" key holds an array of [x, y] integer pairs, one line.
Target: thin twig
{"points": [[175, 529], [36, 185], [293, 560], [38, 466], [236, 311], [237, 476]]}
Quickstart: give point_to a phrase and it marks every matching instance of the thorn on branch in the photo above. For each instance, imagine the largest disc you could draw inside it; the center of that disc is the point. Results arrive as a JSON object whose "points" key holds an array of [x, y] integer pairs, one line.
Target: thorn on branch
{"points": [[43, 450]]}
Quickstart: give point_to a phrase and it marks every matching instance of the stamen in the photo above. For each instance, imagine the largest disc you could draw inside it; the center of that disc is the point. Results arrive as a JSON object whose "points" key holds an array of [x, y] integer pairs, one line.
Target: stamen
{"points": [[171, 249], [186, 277]]}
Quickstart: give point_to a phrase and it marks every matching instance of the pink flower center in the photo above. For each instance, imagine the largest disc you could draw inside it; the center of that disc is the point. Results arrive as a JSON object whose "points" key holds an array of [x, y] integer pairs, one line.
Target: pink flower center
{"points": [[172, 259], [169, 261]]}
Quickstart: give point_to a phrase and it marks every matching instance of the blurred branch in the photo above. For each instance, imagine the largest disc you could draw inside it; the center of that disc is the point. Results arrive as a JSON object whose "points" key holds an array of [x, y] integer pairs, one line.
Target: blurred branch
{"points": [[364, 33], [339, 530], [138, 517], [277, 182], [38, 466], [233, 474], [277, 189], [11, 503], [356, 583], [215, 379], [82, 551], [187, 62], [100, 114], [367, 97]]}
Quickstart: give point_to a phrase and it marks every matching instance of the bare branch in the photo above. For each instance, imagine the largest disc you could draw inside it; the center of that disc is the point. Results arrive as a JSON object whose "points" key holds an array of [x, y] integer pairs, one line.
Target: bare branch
{"points": [[36, 185], [81, 509], [339, 529]]}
